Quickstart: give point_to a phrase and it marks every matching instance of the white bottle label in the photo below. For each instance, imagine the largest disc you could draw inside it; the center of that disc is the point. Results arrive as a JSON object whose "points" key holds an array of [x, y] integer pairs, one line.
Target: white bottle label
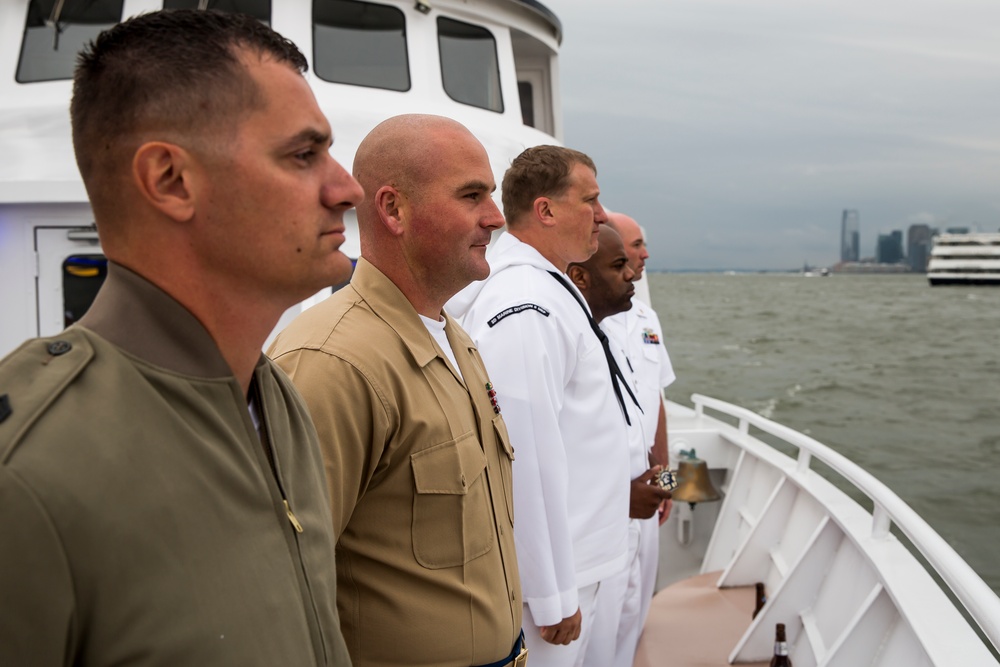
{"points": [[781, 648]]}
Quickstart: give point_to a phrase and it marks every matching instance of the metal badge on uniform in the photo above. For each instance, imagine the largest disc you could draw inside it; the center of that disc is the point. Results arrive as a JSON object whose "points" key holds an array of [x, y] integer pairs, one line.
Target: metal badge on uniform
{"points": [[666, 480], [493, 397], [649, 337]]}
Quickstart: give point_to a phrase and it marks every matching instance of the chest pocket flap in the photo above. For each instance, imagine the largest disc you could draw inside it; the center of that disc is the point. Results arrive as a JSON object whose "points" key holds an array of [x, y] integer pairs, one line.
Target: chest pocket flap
{"points": [[452, 518], [449, 468]]}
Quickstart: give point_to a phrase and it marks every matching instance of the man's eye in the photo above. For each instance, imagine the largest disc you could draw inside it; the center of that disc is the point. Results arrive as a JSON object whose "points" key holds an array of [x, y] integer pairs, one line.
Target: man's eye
{"points": [[306, 155]]}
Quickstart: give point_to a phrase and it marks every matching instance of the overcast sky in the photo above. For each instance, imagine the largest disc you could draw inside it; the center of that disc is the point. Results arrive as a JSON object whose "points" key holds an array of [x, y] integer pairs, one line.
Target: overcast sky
{"points": [[737, 131]]}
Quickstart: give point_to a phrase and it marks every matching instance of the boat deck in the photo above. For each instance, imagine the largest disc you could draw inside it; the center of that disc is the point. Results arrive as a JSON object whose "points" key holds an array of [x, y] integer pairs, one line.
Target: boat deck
{"points": [[693, 623]]}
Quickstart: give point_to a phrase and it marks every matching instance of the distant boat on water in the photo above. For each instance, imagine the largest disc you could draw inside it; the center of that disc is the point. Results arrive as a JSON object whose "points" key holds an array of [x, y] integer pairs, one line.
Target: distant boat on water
{"points": [[965, 259]]}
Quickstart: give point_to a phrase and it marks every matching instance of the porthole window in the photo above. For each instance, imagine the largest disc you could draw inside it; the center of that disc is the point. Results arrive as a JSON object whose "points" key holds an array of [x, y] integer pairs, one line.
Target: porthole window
{"points": [[360, 43], [56, 30], [469, 67]]}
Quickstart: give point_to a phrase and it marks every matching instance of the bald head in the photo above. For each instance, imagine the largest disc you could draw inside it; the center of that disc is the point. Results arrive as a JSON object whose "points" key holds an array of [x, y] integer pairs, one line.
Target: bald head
{"points": [[402, 152], [606, 278], [427, 213], [633, 239]]}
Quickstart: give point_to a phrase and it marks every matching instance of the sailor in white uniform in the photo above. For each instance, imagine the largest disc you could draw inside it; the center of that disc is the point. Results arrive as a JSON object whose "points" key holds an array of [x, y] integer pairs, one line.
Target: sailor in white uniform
{"points": [[606, 283], [563, 413], [640, 338]]}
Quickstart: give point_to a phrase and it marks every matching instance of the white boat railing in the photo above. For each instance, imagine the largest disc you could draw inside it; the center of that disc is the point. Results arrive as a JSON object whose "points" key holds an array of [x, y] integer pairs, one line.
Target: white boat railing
{"points": [[968, 587]]}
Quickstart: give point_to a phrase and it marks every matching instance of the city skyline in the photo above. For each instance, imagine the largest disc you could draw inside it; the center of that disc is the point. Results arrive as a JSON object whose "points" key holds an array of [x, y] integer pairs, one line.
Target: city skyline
{"points": [[737, 133]]}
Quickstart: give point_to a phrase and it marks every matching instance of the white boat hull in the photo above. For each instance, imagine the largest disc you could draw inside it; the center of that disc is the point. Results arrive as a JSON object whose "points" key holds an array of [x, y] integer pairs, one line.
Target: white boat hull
{"points": [[848, 590]]}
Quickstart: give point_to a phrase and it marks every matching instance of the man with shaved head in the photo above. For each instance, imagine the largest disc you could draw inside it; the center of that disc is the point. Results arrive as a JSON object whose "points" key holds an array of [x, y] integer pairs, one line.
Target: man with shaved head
{"points": [[640, 337], [417, 455]]}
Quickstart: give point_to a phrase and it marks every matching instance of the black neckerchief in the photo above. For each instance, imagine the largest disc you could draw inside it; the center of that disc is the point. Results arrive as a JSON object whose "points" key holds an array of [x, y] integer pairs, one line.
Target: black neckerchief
{"points": [[616, 372]]}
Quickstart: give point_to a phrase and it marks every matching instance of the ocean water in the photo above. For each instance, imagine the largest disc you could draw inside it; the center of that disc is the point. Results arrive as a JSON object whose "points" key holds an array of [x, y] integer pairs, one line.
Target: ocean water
{"points": [[901, 378]]}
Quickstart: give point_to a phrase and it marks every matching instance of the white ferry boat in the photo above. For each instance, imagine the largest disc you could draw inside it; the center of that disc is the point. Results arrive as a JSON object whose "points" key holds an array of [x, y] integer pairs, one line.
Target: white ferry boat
{"points": [[836, 574], [965, 259]]}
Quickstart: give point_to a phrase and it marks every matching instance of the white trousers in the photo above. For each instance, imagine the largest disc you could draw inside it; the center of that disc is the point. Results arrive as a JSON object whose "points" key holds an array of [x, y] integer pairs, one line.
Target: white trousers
{"points": [[649, 562], [617, 617], [540, 652]]}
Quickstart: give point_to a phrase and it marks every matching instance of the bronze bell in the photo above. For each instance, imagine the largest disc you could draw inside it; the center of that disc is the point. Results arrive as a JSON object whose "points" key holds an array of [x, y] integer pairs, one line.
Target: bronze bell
{"points": [[694, 485]]}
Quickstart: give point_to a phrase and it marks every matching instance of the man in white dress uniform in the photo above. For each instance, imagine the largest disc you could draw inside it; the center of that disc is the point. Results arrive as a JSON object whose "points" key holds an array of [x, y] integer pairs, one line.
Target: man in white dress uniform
{"points": [[640, 335], [564, 413], [606, 283]]}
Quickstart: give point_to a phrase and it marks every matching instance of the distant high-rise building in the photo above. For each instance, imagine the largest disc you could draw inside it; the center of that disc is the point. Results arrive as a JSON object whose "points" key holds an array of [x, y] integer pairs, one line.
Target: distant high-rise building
{"points": [[890, 248], [850, 240], [918, 247]]}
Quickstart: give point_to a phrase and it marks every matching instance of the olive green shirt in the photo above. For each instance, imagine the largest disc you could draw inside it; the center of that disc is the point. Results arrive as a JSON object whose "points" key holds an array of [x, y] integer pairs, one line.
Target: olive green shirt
{"points": [[419, 465], [141, 520]]}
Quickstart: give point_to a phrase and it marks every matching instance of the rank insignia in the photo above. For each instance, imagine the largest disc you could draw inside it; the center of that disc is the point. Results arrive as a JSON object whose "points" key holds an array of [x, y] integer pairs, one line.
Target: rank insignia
{"points": [[493, 397], [649, 337]]}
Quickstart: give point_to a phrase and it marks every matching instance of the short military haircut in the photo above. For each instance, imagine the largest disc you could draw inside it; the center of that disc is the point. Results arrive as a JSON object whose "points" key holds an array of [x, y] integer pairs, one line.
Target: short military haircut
{"points": [[540, 171], [163, 74]]}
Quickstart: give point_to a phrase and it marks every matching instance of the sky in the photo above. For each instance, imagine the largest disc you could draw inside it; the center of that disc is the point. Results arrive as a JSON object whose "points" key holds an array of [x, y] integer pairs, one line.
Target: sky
{"points": [[737, 131]]}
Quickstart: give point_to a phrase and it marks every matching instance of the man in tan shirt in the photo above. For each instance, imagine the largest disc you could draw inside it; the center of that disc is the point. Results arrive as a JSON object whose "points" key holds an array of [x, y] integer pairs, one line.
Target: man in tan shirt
{"points": [[417, 455]]}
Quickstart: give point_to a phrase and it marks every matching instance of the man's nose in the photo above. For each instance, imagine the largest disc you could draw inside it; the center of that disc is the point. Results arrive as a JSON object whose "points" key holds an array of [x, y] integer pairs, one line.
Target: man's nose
{"points": [[494, 218], [600, 215], [340, 188]]}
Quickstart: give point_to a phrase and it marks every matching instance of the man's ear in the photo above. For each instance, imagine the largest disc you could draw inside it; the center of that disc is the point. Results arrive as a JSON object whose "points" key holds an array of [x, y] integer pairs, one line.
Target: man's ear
{"points": [[162, 173], [542, 209], [391, 209], [580, 276]]}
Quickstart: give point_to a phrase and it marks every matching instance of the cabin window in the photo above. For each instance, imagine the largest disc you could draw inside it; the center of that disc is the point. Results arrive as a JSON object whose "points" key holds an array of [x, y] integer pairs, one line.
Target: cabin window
{"points": [[469, 67], [360, 43], [56, 30], [259, 9], [526, 92]]}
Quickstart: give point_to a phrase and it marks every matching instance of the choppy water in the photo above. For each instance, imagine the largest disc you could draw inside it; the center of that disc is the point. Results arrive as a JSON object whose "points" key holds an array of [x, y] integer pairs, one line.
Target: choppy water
{"points": [[902, 378]]}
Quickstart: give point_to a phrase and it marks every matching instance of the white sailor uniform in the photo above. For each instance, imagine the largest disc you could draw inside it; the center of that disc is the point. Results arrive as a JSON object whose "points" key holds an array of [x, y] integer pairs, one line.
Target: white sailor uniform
{"points": [[640, 338], [571, 483]]}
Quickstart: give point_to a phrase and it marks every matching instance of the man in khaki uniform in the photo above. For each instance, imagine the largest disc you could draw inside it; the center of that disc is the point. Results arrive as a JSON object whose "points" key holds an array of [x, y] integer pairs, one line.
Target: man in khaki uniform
{"points": [[162, 500], [417, 455]]}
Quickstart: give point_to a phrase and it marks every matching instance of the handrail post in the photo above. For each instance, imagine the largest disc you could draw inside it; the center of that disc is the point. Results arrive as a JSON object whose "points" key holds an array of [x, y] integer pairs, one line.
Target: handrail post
{"points": [[802, 463], [881, 522]]}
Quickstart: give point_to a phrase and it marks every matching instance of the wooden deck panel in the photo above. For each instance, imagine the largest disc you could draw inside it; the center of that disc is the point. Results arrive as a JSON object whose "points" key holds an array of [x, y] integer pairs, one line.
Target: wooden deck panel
{"points": [[692, 623]]}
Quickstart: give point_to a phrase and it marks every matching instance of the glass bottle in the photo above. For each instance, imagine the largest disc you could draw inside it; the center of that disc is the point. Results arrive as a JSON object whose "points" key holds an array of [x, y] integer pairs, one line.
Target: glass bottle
{"points": [[761, 597], [780, 658]]}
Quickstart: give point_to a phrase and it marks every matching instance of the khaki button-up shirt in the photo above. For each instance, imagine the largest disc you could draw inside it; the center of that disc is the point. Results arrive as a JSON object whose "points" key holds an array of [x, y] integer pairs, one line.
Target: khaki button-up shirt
{"points": [[419, 468]]}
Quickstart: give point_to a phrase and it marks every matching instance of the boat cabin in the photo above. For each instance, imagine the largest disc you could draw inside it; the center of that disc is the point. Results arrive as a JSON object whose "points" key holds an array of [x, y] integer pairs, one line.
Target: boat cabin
{"points": [[491, 65]]}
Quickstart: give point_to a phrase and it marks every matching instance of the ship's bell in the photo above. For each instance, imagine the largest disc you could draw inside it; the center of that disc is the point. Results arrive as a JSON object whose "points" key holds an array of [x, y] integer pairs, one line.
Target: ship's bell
{"points": [[694, 485]]}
